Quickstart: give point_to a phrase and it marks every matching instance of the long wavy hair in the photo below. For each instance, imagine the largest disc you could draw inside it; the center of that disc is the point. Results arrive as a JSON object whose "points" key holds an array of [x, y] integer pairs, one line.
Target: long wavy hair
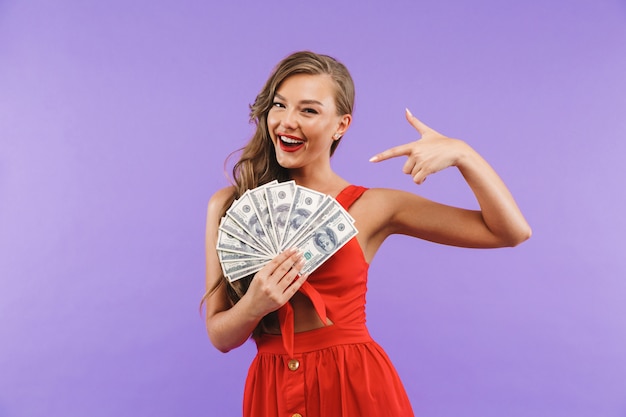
{"points": [[257, 164]]}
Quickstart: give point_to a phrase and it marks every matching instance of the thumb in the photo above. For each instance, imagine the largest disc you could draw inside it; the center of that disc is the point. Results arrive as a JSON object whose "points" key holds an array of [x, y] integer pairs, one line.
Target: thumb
{"points": [[415, 122]]}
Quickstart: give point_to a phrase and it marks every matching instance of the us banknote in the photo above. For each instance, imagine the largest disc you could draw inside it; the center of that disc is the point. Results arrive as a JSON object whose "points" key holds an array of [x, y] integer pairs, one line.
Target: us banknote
{"points": [[233, 229], [279, 202], [236, 268], [259, 202], [326, 240], [305, 203], [271, 218], [243, 212]]}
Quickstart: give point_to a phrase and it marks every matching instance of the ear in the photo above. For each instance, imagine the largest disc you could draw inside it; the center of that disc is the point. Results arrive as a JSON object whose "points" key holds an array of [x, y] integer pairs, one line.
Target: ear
{"points": [[344, 124]]}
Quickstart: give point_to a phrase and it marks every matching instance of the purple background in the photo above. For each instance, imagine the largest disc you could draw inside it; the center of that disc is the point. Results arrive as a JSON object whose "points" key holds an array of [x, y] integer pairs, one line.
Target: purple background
{"points": [[116, 118]]}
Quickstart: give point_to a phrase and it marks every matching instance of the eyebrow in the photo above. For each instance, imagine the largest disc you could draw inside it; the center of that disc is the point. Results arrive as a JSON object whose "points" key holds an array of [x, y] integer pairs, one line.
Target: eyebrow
{"points": [[319, 103]]}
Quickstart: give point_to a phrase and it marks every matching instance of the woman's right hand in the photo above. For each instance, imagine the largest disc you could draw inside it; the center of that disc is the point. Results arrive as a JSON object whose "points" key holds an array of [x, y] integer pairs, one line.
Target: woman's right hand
{"points": [[228, 325], [275, 284]]}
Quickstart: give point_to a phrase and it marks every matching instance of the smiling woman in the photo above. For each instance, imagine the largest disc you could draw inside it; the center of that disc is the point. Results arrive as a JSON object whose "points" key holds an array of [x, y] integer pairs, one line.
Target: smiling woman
{"points": [[304, 118], [315, 355]]}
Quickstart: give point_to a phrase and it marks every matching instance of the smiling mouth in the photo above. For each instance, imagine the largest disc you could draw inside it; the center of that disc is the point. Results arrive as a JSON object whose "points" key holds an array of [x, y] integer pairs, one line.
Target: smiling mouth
{"points": [[290, 143]]}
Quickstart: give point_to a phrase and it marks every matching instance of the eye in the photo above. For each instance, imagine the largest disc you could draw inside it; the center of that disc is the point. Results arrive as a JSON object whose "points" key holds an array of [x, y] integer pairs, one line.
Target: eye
{"points": [[310, 110], [278, 104]]}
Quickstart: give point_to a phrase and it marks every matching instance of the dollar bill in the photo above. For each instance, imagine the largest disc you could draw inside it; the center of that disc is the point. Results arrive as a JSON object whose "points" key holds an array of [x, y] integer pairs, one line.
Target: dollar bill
{"points": [[279, 200], [237, 267], [229, 243], [232, 228], [305, 203], [328, 208], [230, 256], [244, 213], [259, 202], [234, 276], [326, 240]]}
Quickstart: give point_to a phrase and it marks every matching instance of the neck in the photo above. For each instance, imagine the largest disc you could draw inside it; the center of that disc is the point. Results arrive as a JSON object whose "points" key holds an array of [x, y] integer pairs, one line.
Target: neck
{"points": [[323, 180]]}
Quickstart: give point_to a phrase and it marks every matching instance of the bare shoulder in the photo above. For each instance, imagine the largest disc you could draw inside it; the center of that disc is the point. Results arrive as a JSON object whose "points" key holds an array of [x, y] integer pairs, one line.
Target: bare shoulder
{"points": [[218, 200], [387, 199], [377, 207], [384, 210], [375, 213], [215, 299]]}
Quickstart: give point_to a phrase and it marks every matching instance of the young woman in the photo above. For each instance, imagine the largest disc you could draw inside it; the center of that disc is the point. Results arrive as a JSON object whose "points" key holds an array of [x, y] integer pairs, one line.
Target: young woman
{"points": [[315, 356]]}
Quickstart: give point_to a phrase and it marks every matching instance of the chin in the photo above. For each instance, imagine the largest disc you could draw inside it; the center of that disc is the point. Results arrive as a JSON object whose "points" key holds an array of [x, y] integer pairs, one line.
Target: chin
{"points": [[287, 165]]}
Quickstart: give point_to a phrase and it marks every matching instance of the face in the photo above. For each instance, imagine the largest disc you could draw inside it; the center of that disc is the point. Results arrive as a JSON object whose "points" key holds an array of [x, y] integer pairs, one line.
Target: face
{"points": [[325, 242], [303, 121]]}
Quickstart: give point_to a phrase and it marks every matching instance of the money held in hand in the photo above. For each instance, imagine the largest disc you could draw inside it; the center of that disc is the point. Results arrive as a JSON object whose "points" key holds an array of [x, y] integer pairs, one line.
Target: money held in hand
{"points": [[278, 215]]}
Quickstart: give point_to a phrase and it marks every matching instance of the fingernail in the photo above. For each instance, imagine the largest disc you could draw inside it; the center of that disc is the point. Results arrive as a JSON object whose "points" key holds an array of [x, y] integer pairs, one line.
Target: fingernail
{"points": [[408, 112], [374, 158]]}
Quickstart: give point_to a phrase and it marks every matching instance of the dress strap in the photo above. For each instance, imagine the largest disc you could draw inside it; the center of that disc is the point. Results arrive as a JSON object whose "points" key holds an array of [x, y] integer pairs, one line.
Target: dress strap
{"points": [[349, 195]]}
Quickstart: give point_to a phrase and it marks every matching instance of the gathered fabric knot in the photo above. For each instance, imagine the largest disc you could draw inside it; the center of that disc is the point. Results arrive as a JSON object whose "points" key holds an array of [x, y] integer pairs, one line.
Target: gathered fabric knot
{"points": [[286, 316]]}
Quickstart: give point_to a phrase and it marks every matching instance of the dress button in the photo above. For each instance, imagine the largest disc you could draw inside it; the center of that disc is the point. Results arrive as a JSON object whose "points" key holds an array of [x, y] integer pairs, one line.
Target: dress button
{"points": [[293, 365], [297, 415]]}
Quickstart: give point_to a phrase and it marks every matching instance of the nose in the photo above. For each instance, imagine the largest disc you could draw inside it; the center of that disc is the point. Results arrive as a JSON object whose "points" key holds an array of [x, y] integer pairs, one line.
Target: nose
{"points": [[289, 120]]}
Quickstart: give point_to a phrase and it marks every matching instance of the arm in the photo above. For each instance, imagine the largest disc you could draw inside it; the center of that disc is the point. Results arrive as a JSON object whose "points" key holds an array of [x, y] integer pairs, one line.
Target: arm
{"points": [[230, 326], [499, 221]]}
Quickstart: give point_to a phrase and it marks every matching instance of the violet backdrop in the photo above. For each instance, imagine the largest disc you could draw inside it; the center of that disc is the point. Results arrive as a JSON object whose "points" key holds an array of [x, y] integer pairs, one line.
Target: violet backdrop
{"points": [[115, 121]]}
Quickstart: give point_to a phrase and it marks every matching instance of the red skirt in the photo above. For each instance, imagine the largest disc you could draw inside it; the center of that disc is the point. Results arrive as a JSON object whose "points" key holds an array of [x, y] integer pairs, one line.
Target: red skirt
{"points": [[334, 372]]}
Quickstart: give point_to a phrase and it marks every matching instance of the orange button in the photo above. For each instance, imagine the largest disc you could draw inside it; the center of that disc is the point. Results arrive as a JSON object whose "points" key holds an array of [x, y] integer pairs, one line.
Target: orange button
{"points": [[297, 415], [293, 365]]}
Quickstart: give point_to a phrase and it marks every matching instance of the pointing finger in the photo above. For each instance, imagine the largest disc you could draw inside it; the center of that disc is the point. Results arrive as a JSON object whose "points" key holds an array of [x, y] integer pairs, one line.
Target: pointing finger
{"points": [[392, 153]]}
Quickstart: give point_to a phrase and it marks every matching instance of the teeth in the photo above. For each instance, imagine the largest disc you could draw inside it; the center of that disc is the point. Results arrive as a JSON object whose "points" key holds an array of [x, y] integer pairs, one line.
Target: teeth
{"points": [[290, 140]]}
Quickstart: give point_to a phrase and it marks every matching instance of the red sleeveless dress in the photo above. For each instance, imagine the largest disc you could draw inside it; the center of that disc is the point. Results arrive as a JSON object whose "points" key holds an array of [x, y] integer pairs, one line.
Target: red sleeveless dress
{"points": [[334, 371]]}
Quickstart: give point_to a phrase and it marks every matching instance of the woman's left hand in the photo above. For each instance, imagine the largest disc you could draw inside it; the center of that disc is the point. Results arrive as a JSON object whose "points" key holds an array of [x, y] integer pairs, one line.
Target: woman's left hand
{"points": [[427, 155]]}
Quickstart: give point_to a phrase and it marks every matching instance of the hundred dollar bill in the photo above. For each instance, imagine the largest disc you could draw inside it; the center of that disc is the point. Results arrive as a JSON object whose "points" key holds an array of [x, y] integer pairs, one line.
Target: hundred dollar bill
{"points": [[258, 199], [243, 212], [279, 200], [234, 276], [229, 256], [328, 208], [305, 203], [327, 239], [230, 226], [228, 243], [231, 269]]}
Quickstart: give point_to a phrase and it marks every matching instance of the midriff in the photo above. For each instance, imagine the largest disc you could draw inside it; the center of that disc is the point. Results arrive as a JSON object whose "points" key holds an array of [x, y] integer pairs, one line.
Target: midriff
{"points": [[305, 316]]}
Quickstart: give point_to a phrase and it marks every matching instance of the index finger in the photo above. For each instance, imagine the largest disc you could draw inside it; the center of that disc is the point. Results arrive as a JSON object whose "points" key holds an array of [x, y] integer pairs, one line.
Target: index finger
{"points": [[401, 150], [279, 259]]}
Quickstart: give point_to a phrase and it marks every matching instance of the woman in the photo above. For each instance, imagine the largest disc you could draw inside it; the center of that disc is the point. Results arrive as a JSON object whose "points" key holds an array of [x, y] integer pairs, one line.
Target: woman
{"points": [[315, 357]]}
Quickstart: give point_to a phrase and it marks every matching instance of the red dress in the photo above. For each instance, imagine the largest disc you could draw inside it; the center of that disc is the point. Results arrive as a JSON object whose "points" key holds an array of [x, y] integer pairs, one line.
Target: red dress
{"points": [[334, 371]]}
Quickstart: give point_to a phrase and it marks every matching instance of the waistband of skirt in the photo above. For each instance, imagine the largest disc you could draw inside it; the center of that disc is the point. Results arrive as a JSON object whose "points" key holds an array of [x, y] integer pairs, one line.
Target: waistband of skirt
{"points": [[317, 339]]}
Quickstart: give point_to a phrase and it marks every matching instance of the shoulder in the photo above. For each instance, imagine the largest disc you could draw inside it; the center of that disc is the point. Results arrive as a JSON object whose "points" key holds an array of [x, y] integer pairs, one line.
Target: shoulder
{"points": [[376, 215], [386, 206], [387, 198], [218, 201], [377, 205]]}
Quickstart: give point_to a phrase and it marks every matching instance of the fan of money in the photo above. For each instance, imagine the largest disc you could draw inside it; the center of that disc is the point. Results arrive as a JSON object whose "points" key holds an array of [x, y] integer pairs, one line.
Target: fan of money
{"points": [[279, 215]]}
